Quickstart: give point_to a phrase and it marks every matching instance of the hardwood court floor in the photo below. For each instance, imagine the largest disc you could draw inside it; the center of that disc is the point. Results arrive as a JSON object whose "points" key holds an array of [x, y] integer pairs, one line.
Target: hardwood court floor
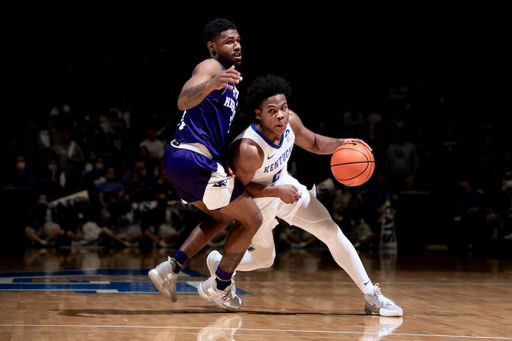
{"points": [[83, 294]]}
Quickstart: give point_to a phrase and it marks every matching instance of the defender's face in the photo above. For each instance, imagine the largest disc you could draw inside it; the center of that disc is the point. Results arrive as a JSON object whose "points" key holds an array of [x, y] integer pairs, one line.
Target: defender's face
{"points": [[227, 48], [273, 116]]}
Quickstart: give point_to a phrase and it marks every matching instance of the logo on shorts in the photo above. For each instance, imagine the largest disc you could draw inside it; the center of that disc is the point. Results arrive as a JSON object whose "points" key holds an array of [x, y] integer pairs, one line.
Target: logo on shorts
{"points": [[222, 183]]}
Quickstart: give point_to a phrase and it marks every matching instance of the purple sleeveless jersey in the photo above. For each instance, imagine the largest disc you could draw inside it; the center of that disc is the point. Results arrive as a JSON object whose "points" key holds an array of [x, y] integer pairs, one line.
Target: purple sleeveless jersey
{"points": [[209, 122]]}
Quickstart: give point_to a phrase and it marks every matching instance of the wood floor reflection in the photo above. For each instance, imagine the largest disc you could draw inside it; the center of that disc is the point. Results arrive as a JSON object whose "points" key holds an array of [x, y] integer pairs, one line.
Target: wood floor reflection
{"points": [[98, 294]]}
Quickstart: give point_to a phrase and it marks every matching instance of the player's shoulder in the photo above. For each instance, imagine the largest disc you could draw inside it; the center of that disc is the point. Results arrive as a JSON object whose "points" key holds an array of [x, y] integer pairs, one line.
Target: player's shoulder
{"points": [[208, 66], [247, 148]]}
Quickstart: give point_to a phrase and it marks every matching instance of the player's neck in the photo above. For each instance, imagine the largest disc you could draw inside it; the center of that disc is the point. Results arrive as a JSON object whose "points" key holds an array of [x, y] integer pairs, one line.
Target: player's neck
{"points": [[269, 135]]}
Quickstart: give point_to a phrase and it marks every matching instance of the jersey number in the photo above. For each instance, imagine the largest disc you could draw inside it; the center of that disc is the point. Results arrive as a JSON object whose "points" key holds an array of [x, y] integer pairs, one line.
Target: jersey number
{"points": [[276, 176]]}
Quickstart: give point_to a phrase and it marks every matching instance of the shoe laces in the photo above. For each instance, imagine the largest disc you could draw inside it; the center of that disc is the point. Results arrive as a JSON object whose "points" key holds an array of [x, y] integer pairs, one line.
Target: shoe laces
{"points": [[378, 294], [228, 294]]}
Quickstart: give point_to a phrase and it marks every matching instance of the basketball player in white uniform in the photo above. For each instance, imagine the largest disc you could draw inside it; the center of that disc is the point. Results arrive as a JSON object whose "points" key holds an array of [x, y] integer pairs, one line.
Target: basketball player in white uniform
{"points": [[260, 157]]}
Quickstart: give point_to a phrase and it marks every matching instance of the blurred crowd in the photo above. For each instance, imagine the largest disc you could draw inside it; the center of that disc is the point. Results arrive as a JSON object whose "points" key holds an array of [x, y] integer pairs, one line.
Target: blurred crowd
{"points": [[423, 142]]}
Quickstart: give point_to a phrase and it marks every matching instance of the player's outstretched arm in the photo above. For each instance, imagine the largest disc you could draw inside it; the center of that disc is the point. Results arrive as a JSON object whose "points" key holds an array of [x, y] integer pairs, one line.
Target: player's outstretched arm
{"points": [[316, 143], [208, 76]]}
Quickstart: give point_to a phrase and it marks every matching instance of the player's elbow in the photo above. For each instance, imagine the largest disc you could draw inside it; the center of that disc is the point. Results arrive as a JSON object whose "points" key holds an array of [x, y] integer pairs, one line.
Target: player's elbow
{"points": [[181, 106]]}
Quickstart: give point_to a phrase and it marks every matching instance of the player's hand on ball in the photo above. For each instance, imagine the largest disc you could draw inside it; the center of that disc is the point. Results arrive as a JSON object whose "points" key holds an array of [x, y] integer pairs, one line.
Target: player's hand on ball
{"points": [[357, 141], [289, 194]]}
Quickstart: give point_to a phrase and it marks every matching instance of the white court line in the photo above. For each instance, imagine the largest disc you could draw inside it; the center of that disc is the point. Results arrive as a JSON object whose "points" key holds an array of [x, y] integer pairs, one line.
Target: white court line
{"points": [[248, 329]]}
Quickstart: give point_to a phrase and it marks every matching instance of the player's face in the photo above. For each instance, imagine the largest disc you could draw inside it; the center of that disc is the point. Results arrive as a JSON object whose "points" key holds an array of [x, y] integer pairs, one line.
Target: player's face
{"points": [[273, 116], [227, 48]]}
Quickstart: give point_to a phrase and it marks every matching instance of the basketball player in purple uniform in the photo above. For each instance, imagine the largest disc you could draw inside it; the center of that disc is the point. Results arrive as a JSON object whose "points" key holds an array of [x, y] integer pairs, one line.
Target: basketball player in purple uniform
{"points": [[194, 164], [260, 157]]}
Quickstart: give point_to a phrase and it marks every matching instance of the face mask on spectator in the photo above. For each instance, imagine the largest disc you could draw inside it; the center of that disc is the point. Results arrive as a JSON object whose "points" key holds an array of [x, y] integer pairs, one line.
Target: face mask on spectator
{"points": [[99, 166], [21, 165], [52, 167]]}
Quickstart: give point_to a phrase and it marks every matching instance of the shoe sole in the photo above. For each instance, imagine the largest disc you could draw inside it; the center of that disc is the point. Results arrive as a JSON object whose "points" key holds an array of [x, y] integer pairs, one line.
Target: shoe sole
{"points": [[383, 312], [158, 282]]}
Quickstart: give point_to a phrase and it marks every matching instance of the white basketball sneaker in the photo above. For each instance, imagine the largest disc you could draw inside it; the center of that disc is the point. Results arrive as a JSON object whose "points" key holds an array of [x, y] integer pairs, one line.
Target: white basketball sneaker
{"points": [[226, 299], [212, 261], [164, 279], [378, 304]]}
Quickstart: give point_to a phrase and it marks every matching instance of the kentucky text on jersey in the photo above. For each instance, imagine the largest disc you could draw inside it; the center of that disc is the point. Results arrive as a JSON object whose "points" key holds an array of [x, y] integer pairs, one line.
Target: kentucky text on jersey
{"points": [[279, 161]]}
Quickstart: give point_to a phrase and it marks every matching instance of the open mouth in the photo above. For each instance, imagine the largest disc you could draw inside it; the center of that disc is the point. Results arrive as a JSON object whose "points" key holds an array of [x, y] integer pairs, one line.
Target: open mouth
{"points": [[237, 56]]}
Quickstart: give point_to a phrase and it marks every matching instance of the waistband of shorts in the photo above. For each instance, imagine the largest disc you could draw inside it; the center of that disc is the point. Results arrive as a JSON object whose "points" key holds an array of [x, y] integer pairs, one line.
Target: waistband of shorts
{"points": [[196, 147]]}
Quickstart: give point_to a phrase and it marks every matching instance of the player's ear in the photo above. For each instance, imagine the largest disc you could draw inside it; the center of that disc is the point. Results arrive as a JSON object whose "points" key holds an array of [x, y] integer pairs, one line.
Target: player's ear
{"points": [[258, 114], [211, 47]]}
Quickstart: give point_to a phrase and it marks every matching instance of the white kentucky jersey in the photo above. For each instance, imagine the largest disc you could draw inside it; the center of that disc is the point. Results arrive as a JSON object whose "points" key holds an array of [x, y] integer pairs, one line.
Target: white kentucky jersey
{"points": [[275, 158], [274, 172]]}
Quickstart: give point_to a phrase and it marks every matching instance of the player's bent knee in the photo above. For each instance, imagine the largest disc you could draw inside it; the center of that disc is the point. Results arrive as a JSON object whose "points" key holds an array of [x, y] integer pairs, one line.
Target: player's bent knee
{"points": [[327, 231]]}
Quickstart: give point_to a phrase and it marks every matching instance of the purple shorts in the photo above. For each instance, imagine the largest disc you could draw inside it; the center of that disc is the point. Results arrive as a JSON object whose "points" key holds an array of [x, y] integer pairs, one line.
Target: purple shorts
{"points": [[196, 177]]}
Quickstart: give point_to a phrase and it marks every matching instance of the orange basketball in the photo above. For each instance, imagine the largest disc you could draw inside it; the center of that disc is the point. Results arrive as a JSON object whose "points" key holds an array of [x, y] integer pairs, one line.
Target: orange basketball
{"points": [[352, 164]]}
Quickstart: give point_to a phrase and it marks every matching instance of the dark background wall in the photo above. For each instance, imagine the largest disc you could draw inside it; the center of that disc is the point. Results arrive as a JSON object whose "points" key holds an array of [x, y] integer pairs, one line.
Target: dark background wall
{"points": [[454, 63]]}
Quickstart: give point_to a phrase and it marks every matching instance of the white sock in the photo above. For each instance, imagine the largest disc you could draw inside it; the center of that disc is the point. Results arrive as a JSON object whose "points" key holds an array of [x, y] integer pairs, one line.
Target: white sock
{"points": [[368, 288]]}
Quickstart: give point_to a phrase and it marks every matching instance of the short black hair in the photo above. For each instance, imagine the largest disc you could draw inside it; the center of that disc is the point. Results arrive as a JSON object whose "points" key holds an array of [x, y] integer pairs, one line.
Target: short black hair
{"points": [[215, 27], [263, 88]]}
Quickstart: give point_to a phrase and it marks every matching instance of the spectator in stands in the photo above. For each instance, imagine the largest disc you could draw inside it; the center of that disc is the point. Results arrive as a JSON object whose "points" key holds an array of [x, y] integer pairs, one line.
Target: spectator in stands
{"points": [[45, 183], [487, 158], [137, 183], [472, 208], [401, 162], [111, 152], [18, 175], [81, 227], [41, 230], [448, 153], [166, 133], [155, 147], [162, 184], [502, 216], [47, 136], [94, 177], [69, 155], [361, 233], [373, 119], [111, 185], [355, 125], [150, 163], [96, 132], [164, 224], [60, 110], [84, 138], [379, 190], [25, 145], [122, 227], [57, 175]]}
